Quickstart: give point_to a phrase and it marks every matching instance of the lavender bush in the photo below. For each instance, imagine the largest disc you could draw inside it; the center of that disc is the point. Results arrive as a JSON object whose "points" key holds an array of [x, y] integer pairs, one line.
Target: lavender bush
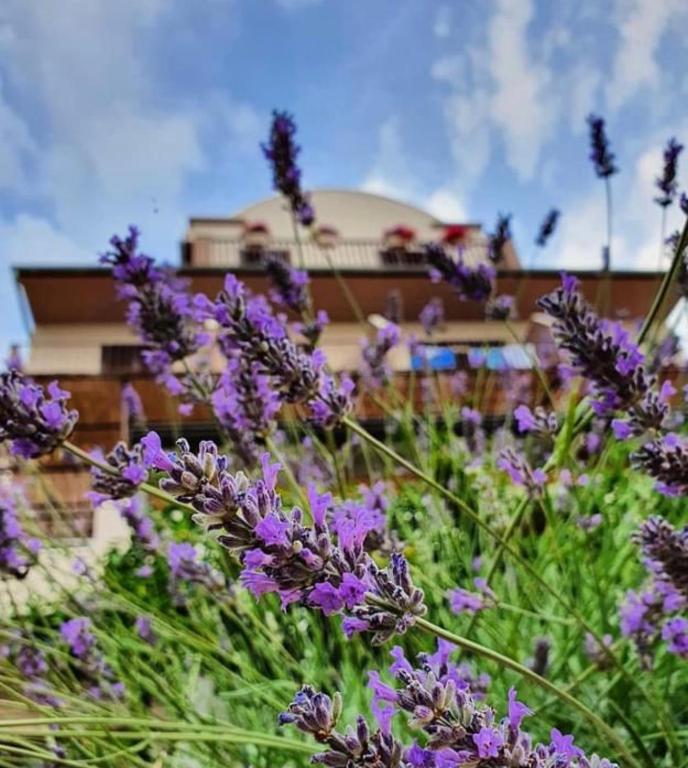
{"points": [[546, 553]]}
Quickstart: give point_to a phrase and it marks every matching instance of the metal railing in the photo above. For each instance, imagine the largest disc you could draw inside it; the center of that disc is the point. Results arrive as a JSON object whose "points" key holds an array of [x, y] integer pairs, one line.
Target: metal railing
{"points": [[346, 255]]}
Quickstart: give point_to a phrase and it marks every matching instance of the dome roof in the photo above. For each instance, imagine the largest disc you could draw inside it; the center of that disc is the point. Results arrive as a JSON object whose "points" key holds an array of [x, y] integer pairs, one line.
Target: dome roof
{"points": [[355, 214]]}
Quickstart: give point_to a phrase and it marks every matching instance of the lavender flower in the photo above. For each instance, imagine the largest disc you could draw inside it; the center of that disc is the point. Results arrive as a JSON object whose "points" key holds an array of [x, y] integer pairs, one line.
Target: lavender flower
{"points": [[160, 310], [547, 227], [252, 330], [499, 238], [32, 665], [666, 460], [539, 421], [598, 652], [666, 594], [469, 284], [334, 401], [600, 154], [141, 526], [290, 286], [14, 361], [123, 481], [17, 550], [280, 553], [89, 666], [144, 630], [605, 355], [375, 369], [667, 183], [246, 406], [282, 152], [34, 422], [463, 601], [131, 403], [187, 569], [500, 307], [457, 730], [521, 473], [432, 315], [667, 548]]}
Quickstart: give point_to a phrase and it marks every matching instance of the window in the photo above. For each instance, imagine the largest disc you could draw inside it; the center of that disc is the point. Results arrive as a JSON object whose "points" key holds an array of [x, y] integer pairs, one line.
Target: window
{"points": [[402, 257], [255, 257], [121, 360]]}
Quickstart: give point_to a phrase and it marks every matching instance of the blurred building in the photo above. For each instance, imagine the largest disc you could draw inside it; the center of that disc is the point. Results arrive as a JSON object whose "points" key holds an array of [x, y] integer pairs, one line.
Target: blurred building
{"points": [[369, 243]]}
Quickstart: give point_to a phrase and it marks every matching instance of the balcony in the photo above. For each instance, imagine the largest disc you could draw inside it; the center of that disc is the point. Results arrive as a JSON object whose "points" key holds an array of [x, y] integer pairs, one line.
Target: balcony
{"points": [[345, 255]]}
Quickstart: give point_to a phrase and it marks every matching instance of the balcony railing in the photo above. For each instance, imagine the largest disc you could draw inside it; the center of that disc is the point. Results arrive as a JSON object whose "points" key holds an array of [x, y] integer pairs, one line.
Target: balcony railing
{"points": [[346, 255]]}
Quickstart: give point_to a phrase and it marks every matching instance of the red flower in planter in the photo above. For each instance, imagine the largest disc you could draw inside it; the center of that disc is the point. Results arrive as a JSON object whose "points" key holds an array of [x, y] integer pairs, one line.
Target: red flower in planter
{"points": [[256, 228], [400, 233], [454, 234]]}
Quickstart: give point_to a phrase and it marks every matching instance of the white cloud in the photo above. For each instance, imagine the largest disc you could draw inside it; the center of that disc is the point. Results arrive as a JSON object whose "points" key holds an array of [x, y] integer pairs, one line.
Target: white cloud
{"points": [[446, 205], [390, 174], [642, 24], [637, 219], [584, 86], [497, 86], [16, 145], [442, 28], [31, 240], [521, 105]]}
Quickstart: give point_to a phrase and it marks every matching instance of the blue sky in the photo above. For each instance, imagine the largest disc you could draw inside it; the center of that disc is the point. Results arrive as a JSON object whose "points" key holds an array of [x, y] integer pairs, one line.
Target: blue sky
{"points": [[149, 111]]}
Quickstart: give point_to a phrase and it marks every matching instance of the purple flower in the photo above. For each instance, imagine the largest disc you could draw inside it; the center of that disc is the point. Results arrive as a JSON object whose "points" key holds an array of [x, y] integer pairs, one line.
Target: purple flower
{"points": [[127, 474], [538, 421], [251, 330], [458, 730], [469, 284], [282, 152], [605, 355], [290, 286], [141, 526], [77, 634], [432, 315], [333, 402], [666, 460], [131, 403], [144, 630], [159, 308], [520, 471], [675, 634], [153, 455], [499, 238], [500, 307], [17, 550], [374, 369], [517, 710], [667, 183], [488, 741], [35, 422], [326, 597], [547, 228], [562, 746], [600, 154]]}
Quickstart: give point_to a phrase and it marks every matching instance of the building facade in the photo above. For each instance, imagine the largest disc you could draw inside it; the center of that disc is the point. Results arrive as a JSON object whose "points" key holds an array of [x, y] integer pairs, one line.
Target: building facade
{"points": [[364, 261]]}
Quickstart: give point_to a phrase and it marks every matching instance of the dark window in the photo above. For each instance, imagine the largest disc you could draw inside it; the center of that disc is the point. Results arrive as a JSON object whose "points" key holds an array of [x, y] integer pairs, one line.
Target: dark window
{"points": [[255, 257], [121, 360], [402, 257]]}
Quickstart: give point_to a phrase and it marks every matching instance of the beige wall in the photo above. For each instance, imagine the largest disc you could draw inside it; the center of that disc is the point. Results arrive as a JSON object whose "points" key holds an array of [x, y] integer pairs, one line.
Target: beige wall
{"points": [[74, 349]]}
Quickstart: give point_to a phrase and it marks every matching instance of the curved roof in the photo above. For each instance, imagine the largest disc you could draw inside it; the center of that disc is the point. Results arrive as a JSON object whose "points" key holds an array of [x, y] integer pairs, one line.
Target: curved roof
{"points": [[354, 213]]}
